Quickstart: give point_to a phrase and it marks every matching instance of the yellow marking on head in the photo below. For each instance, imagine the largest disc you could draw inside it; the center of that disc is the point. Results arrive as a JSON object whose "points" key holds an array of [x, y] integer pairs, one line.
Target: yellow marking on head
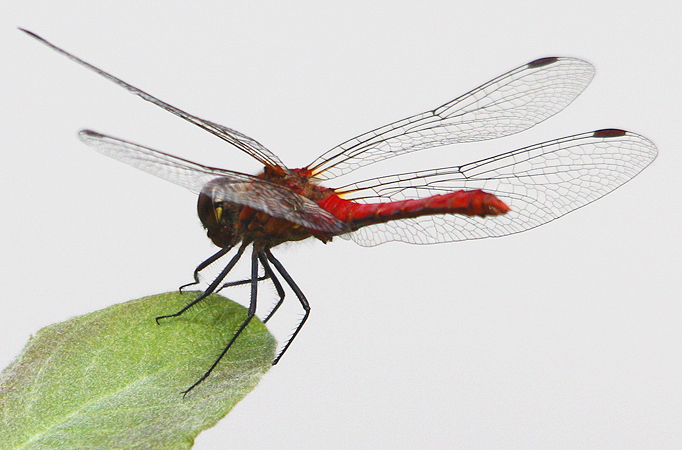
{"points": [[218, 210]]}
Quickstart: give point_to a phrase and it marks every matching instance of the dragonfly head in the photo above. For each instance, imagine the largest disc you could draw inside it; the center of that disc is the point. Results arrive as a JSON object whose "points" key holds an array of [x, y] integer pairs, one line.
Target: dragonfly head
{"points": [[218, 217]]}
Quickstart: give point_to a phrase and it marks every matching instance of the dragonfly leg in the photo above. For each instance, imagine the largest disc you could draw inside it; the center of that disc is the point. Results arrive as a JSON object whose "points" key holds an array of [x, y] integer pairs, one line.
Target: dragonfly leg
{"points": [[278, 286], [205, 264], [299, 294], [239, 283], [212, 287], [251, 313]]}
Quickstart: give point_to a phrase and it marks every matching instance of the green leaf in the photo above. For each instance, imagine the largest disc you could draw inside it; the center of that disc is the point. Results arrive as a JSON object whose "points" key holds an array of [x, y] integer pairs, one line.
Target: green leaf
{"points": [[113, 379]]}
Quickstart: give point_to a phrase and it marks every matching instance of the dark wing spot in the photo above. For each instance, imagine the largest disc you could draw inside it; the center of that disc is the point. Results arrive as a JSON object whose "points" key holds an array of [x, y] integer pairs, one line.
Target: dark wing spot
{"points": [[542, 62]]}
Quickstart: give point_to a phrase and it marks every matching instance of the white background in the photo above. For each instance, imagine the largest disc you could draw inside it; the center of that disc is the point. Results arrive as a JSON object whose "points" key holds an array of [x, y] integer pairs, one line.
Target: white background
{"points": [[567, 336]]}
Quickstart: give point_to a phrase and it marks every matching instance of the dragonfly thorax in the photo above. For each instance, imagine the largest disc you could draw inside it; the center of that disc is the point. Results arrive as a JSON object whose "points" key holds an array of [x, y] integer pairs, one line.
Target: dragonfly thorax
{"points": [[228, 223]]}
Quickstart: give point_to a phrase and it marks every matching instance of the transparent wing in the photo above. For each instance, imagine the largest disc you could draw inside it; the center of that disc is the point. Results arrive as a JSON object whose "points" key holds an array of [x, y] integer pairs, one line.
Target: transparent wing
{"points": [[239, 140], [510, 103], [235, 187], [539, 183]]}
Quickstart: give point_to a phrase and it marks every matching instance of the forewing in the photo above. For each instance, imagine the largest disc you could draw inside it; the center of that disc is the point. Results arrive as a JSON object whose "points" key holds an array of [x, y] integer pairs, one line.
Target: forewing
{"points": [[239, 140], [539, 183], [234, 187], [510, 103]]}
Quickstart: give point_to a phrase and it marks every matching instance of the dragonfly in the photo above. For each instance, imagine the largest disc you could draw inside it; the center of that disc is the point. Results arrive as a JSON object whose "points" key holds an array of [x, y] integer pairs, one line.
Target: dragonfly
{"points": [[491, 197]]}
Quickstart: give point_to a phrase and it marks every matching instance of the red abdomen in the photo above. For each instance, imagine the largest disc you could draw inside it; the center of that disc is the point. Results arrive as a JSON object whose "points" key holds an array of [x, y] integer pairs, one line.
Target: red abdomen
{"points": [[470, 203]]}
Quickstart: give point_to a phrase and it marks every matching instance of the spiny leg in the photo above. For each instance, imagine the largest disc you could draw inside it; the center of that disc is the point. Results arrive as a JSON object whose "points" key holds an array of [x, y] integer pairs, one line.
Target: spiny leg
{"points": [[239, 283], [301, 298], [278, 286], [209, 290], [251, 313], [213, 258]]}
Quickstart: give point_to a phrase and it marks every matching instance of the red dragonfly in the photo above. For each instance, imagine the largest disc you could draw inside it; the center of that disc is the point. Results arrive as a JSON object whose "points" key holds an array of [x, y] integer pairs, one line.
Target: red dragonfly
{"points": [[496, 196]]}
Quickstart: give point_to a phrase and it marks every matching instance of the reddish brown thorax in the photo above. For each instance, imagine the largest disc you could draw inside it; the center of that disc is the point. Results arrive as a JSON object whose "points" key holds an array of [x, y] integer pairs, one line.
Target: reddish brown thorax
{"points": [[229, 223]]}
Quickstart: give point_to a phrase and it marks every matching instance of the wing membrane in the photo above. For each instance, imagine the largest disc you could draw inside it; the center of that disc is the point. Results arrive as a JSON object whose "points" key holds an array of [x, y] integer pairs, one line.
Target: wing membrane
{"points": [[235, 187], [539, 183], [508, 104]]}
